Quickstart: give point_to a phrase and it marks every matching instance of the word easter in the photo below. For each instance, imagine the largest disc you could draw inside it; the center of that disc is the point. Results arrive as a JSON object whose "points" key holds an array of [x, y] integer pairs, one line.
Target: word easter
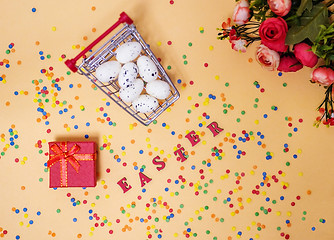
{"points": [[180, 153]]}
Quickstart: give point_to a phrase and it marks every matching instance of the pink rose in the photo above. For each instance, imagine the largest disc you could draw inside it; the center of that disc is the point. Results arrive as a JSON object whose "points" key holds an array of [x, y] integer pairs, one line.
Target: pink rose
{"points": [[289, 63], [273, 32], [241, 12], [304, 55], [239, 45], [269, 59], [280, 7], [323, 75]]}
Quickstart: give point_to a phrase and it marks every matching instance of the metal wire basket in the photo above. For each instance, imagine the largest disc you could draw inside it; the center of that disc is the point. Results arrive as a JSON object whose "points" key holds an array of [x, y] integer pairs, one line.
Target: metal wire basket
{"points": [[107, 52]]}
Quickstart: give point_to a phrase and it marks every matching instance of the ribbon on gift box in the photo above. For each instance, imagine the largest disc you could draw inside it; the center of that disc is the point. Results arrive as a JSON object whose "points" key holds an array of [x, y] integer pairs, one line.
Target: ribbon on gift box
{"points": [[65, 157]]}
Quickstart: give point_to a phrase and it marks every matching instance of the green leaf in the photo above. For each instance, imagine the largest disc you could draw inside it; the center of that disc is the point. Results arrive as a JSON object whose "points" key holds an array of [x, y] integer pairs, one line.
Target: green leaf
{"points": [[304, 4], [309, 27]]}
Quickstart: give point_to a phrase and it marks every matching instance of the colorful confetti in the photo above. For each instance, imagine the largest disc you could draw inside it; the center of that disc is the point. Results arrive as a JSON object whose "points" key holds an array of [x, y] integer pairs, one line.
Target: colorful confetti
{"points": [[236, 157]]}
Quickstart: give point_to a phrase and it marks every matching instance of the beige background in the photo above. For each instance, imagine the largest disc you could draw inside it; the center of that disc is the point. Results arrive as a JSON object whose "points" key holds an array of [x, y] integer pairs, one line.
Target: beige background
{"points": [[60, 25]]}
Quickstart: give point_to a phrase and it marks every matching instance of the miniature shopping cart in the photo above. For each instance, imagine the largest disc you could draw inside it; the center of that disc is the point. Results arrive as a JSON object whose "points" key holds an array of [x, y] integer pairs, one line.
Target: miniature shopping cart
{"points": [[106, 52]]}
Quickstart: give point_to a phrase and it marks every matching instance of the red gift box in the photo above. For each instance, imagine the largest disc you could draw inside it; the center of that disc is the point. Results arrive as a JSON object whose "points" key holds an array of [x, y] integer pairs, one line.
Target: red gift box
{"points": [[72, 164]]}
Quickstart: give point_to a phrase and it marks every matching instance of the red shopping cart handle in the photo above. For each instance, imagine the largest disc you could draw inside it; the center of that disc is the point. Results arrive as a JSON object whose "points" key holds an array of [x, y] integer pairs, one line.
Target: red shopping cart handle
{"points": [[71, 63]]}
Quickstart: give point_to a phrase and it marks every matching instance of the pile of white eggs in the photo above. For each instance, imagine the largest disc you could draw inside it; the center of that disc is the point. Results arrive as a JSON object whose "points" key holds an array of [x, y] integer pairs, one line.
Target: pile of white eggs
{"points": [[126, 68]]}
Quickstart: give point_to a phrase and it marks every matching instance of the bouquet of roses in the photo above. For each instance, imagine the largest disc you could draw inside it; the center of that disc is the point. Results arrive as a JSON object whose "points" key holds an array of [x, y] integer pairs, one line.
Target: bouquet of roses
{"points": [[293, 34]]}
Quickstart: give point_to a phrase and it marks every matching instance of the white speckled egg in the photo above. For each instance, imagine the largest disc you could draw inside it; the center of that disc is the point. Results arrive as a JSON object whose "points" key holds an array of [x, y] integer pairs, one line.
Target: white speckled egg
{"points": [[128, 51], [158, 89], [145, 103], [108, 71], [133, 91], [128, 74], [147, 69]]}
